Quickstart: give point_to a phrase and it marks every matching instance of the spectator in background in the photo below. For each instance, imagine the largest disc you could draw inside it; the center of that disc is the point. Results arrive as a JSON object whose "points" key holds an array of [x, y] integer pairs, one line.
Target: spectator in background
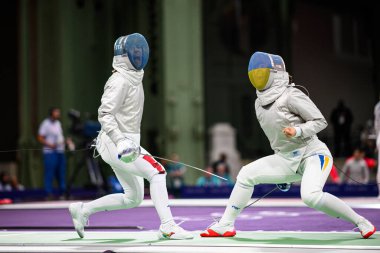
{"points": [[222, 159], [175, 172], [368, 139], [222, 170], [50, 135], [341, 119], [377, 129], [208, 180], [9, 183], [355, 170]]}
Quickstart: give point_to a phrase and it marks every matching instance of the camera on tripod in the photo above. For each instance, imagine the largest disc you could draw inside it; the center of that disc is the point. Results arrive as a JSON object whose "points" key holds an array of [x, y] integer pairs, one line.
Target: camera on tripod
{"points": [[87, 130]]}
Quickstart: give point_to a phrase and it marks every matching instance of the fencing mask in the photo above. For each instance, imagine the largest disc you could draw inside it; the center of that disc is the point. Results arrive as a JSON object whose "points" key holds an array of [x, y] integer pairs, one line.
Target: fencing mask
{"points": [[261, 68], [135, 47]]}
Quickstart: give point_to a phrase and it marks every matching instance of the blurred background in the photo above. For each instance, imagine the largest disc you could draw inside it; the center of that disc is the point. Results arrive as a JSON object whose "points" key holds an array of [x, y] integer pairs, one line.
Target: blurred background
{"points": [[199, 103]]}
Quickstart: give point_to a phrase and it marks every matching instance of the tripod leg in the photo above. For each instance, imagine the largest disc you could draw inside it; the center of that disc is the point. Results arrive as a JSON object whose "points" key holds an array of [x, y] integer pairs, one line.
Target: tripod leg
{"points": [[73, 176]]}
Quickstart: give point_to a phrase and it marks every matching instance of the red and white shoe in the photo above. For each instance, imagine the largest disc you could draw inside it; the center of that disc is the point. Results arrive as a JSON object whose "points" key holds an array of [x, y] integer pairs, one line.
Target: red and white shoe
{"points": [[218, 230], [366, 228]]}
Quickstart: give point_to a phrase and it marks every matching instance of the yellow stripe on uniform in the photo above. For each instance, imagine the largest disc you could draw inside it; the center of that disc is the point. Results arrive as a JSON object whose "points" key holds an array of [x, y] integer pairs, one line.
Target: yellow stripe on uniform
{"points": [[326, 162]]}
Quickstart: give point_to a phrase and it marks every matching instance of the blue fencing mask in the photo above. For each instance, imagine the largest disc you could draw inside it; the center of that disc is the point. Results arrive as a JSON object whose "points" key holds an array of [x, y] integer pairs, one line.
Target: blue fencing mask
{"points": [[135, 47]]}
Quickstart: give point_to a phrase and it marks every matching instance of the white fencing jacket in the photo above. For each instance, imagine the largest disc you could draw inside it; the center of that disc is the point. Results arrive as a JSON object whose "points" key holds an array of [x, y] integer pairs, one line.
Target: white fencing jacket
{"points": [[281, 106], [122, 103]]}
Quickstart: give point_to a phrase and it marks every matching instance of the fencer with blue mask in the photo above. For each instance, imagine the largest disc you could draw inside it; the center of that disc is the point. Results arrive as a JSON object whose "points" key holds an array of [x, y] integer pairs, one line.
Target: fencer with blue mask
{"points": [[291, 121], [118, 143]]}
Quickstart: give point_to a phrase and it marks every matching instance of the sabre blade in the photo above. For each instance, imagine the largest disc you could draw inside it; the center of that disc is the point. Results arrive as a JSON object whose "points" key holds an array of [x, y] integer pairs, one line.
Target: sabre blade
{"points": [[187, 165], [261, 197]]}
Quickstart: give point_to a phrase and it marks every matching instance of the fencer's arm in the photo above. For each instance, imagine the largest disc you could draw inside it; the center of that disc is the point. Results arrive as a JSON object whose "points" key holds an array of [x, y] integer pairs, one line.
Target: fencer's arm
{"points": [[301, 105], [115, 92]]}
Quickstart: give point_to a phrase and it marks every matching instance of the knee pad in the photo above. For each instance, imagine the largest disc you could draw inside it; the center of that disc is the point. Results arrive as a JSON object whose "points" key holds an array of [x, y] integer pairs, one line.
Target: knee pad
{"points": [[311, 199]]}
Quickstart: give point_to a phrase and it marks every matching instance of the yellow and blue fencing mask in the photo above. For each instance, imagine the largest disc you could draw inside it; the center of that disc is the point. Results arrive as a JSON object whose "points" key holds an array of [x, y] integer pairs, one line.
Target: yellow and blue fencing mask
{"points": [[260, 69]]}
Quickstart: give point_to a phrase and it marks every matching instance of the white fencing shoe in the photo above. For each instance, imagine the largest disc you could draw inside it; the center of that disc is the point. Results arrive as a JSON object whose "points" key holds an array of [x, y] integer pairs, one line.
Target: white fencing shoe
{"points": [[173, 231], [80, 218]]}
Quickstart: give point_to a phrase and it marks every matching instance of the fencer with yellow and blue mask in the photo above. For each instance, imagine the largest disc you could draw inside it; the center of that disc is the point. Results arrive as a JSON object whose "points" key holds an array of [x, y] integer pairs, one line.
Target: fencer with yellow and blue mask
{"points": [[263, 68]]}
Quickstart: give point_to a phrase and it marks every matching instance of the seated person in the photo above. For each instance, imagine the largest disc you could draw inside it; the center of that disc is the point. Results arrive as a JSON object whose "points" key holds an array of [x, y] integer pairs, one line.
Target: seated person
{"points": [[355, 169], [175, 175], [223, 171], [9, 183], [207, 179]]}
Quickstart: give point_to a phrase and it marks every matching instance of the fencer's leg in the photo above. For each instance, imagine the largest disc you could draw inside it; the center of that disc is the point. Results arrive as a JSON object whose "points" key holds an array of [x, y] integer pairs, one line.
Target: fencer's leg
{"points": [[239, 198], [270, 169], [240, 195], [316, 170], [146, 167], [133, 195], [156, 175], [314, 177], [159, 195], [131, 181]]}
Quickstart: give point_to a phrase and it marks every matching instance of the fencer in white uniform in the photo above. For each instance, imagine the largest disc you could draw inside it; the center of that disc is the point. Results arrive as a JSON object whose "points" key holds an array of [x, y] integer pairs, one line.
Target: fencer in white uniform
{"points": [[290, 120], [118, 143]]}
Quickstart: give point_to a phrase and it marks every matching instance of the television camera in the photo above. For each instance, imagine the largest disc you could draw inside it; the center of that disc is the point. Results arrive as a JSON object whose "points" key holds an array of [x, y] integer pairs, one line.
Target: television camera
{"points": [[86, 131]]}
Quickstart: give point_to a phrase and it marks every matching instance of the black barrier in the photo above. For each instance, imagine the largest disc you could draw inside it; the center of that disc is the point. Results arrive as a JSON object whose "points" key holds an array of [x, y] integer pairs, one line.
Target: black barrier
{"points": [[197, 192], [343, 190]]}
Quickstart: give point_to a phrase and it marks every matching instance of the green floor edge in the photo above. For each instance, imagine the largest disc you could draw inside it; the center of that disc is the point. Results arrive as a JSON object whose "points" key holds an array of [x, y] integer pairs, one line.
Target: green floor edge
{"points": [[312, 239]]}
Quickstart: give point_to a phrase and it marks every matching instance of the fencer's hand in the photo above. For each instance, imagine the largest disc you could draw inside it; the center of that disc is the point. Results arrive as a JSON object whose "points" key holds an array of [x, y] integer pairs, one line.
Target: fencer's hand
{"points": [[123, 146], [127, 150], [289, 131]]}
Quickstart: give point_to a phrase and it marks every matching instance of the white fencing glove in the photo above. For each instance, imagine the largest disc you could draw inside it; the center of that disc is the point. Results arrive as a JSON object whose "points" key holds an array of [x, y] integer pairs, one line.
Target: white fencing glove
{"points": [[127, 150]]}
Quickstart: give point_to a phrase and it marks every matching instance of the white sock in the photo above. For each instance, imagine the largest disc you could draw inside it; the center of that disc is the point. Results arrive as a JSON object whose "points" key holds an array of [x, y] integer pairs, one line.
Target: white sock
{"points": [[159, 195], [110, 202], [239, 198], [335, 207]]}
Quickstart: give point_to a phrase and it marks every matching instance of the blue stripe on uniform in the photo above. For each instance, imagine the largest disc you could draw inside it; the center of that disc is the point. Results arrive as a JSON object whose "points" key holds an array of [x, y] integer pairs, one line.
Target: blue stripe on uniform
{"points": [[322, 159]]}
